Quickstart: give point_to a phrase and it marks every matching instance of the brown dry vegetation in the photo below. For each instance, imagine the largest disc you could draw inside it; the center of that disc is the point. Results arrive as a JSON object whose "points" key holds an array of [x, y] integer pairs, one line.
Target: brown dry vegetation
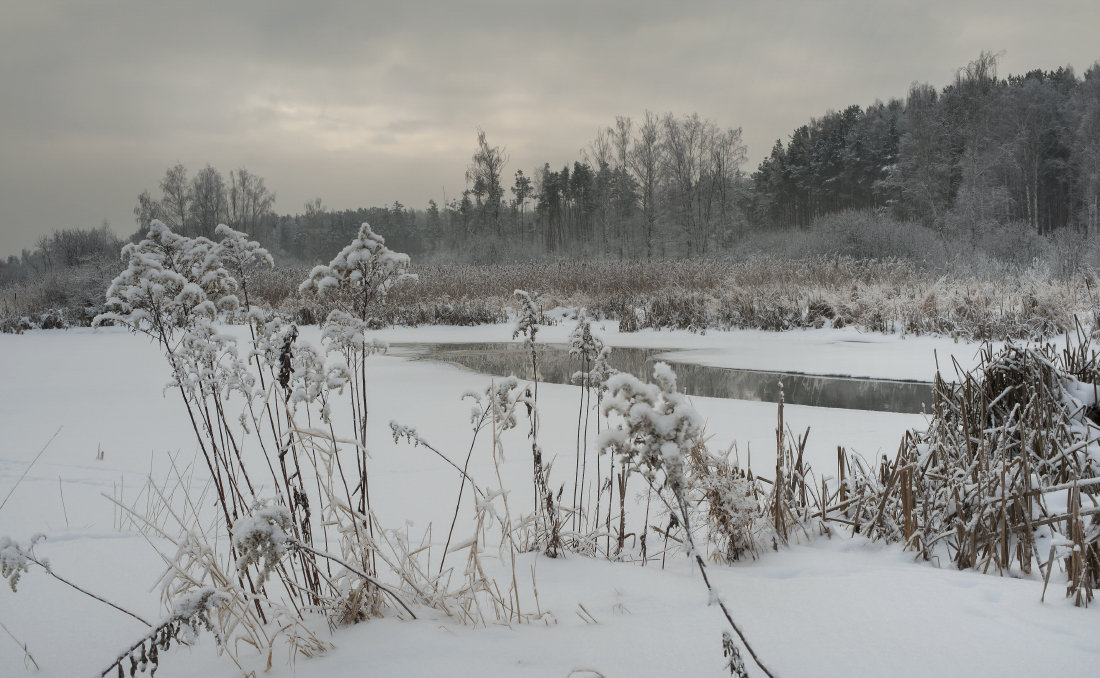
{"points": [[882, 295]]}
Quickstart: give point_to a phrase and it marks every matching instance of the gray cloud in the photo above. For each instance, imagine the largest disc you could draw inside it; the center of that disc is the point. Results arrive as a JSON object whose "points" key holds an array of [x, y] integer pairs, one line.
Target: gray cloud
{"points": [[368, 102]]}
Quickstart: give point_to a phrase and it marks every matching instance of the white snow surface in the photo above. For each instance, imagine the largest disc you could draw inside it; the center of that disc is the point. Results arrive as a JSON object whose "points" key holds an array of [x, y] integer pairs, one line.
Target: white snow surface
{"points": [[824, 607], [840, 352]]}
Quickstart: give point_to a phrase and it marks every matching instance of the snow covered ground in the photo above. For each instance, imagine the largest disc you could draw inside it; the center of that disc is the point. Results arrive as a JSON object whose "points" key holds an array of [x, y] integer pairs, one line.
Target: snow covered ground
{"points": [[826, 607]]}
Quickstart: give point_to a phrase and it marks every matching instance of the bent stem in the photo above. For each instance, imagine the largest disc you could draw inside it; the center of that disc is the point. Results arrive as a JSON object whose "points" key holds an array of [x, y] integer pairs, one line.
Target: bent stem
{"points": [[713, 593], [86, 592]]}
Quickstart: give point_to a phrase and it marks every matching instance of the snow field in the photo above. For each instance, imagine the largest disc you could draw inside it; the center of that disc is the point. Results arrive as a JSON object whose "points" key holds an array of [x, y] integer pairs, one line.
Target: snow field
{"points": [[829, 607]]}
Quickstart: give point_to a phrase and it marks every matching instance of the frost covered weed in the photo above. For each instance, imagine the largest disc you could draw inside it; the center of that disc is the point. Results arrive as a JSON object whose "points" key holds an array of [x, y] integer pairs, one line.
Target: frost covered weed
{"points": [[279, 567], [586, 348], [190, 614], [360, 276], [546, 511], [261, 538], [242, 257], [655, 433], [365, 271], [479, 599], [729, 496], [15, 559]]}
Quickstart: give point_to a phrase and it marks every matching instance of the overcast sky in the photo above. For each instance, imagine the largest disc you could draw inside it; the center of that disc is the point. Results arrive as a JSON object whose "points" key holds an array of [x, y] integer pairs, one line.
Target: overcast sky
{"points": [[364, 102]]}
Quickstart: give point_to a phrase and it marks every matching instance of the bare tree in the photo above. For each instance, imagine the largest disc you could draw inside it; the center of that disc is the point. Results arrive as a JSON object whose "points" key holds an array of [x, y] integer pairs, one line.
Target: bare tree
{"points": [[147, 210], [208, 201], [646, 159], [249, 201], [176, 200], [623, 187]]}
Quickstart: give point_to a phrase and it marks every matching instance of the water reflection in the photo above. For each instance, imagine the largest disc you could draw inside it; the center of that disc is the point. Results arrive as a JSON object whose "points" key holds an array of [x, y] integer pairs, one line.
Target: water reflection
{"points": [[557, 366]]}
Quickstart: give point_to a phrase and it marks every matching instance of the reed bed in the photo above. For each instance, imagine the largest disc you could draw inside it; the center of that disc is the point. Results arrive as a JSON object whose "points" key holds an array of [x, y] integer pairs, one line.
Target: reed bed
{"points": [[1006, 478]]}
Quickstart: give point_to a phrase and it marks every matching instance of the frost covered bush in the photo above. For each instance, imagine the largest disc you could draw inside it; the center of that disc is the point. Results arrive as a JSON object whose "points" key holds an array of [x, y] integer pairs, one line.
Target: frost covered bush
{"points": [[242, 257], [657, 427], [1009, 445], [169, 281]]}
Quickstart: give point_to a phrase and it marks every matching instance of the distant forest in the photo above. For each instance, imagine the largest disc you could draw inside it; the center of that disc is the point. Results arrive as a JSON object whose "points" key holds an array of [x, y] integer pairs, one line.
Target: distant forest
{"points": [[1020, 152]]}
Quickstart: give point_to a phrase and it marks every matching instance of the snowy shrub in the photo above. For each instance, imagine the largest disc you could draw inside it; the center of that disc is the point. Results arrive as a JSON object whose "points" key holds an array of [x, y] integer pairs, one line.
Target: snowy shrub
{"points": [[206, 362], [582, 343], [170, 280], [527, 322], [194, 608], [729, 497]]}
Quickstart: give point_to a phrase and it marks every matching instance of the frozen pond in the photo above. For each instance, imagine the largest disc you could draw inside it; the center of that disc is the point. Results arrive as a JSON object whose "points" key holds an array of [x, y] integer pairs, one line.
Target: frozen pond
{"points": [[557, 366]]}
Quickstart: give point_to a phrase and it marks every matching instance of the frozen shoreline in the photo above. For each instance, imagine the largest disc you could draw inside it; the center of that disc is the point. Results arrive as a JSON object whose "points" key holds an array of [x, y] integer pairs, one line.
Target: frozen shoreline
{"points": [[826, 352]]}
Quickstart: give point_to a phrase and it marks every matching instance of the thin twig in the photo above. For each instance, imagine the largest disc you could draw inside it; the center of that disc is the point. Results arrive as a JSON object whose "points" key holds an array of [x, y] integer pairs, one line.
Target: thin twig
{"points": [[29, 467], [23, 646], [86, 592]]}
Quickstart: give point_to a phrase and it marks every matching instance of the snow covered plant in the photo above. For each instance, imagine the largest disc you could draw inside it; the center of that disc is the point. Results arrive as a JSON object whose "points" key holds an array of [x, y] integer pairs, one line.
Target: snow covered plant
{"points": [[655, 432], [732, 508], [190, 613], [241, 256], [261, 538], [14, 559], [361, 275], [527, 324], [546, 512], [586, 347], [170, 280], [359, 278], [657, 427]]}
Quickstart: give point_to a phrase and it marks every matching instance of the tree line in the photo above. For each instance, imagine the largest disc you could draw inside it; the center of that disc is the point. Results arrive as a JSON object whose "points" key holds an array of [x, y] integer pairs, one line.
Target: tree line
{"points": [[1022, 150]]}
